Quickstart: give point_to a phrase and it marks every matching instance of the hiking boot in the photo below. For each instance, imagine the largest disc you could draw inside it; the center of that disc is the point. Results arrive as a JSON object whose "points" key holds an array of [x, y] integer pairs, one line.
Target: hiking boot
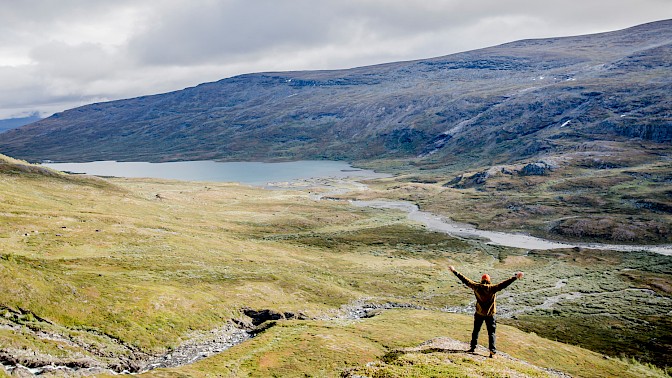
{"points": [[492, 354], [471, 350]]}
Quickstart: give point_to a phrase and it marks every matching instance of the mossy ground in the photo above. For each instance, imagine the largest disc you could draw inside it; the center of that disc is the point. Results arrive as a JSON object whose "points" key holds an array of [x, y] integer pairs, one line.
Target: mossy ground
{"points": [[123, 267]]}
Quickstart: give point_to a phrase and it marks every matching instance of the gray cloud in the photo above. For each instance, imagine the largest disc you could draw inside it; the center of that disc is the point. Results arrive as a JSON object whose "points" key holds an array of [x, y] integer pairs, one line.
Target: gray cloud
{"points": [[219, 31], [56, 55]]}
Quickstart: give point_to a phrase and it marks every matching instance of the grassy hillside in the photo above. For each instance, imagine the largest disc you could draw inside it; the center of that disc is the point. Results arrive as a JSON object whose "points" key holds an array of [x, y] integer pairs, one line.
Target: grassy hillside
{"points": [[386, 346], [108, 273]]}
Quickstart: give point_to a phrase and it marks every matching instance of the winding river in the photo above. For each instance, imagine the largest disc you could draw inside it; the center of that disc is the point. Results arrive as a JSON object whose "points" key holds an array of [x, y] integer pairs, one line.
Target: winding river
{"points": [[220, 339], [338, 177], [440, 224]]}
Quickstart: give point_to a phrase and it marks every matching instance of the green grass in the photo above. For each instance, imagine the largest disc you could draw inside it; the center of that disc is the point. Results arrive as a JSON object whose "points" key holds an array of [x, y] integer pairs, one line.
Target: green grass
{"points": [[122, 272], [442, 365], [374, 347]]}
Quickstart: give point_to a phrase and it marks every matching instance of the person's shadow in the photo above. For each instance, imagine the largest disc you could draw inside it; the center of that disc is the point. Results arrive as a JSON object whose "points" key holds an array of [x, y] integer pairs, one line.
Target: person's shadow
{"points": [[395, 354], [442, 350]]}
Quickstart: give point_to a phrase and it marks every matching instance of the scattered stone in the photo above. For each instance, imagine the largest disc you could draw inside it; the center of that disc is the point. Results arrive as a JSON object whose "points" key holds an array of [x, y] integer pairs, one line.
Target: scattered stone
{"points": [[200, 345], [21, 372], [361, 309]]}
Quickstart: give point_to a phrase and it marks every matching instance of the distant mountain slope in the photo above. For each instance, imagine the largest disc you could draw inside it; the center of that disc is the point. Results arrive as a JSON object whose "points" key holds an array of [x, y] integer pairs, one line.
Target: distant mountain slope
{"points": [[13, 123], [497, 104]]}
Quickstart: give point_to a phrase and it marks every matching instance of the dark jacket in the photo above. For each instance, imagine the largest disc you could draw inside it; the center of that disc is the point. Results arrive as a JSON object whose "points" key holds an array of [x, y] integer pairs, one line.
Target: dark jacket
{"points": [[485, 293]]}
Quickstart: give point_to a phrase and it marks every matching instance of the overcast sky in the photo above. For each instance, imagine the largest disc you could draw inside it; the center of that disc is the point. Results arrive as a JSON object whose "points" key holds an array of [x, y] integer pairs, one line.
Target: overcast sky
{"points": [[59, 54]]}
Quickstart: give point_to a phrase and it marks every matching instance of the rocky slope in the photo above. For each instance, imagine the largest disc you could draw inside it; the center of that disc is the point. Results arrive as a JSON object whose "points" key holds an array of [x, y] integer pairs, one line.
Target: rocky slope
{"points": [[498, 104]]}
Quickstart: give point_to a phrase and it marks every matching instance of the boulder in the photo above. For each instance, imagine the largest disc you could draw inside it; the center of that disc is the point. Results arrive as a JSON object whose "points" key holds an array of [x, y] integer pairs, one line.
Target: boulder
{"points": [[534, 169]]}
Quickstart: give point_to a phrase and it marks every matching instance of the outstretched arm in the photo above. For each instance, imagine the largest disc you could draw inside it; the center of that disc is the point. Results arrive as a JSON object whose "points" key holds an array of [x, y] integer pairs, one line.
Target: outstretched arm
{"points": [[502, 285], [462, 278]]}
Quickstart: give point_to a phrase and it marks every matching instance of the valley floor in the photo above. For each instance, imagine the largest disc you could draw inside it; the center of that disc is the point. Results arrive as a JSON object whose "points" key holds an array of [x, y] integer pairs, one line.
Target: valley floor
{"points": [[108, 275]]}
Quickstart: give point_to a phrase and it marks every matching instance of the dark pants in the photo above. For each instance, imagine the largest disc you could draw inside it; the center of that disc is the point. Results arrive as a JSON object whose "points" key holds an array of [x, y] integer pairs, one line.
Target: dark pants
{"points": [[490, 324]]}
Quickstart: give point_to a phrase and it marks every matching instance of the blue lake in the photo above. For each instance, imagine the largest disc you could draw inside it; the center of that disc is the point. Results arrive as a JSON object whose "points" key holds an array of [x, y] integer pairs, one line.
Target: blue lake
{"points": [[252, 173]]}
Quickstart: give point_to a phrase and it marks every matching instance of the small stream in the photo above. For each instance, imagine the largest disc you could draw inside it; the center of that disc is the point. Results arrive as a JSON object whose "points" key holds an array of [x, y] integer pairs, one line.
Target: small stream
{"points": [[220, 339], [199, 345]]}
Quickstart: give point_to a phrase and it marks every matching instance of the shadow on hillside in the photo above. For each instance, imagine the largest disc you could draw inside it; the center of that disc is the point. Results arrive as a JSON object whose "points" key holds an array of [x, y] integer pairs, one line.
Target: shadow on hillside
{"points": [[395, 354], [441, 350]]}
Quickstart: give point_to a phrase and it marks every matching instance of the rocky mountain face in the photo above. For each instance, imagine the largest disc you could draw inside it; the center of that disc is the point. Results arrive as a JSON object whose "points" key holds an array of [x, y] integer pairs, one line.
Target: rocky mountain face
{"points": [[499, 104]]}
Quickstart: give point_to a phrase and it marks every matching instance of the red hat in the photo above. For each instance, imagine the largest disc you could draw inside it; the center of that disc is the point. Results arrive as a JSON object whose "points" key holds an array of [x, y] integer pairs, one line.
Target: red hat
{"points": [[485, 277]]}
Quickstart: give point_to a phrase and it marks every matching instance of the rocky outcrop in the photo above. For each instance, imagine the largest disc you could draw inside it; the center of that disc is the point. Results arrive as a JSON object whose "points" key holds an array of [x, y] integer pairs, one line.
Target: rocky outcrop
{"points": [[261, 316], [534, 169], [476, 180], [654, 206]]}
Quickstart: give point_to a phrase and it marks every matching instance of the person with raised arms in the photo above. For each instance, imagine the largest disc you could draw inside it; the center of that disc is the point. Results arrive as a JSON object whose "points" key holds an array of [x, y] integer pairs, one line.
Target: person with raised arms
{"points": [[486, 295]]}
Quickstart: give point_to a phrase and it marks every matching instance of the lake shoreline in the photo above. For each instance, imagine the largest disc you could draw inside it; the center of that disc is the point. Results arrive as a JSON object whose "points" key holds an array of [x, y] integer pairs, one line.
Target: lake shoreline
{"points": [[248, 173], [341, 178]]}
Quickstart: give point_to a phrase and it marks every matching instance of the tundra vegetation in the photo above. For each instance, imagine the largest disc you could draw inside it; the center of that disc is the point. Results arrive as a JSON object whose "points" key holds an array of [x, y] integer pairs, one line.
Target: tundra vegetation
{"points": [[563, 138], [110, 272], [609, 192]]}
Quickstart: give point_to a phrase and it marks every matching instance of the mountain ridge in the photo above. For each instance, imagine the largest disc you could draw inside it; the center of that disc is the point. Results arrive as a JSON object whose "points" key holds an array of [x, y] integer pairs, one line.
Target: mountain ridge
{"points": [[497, 104], [13, 123]]}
